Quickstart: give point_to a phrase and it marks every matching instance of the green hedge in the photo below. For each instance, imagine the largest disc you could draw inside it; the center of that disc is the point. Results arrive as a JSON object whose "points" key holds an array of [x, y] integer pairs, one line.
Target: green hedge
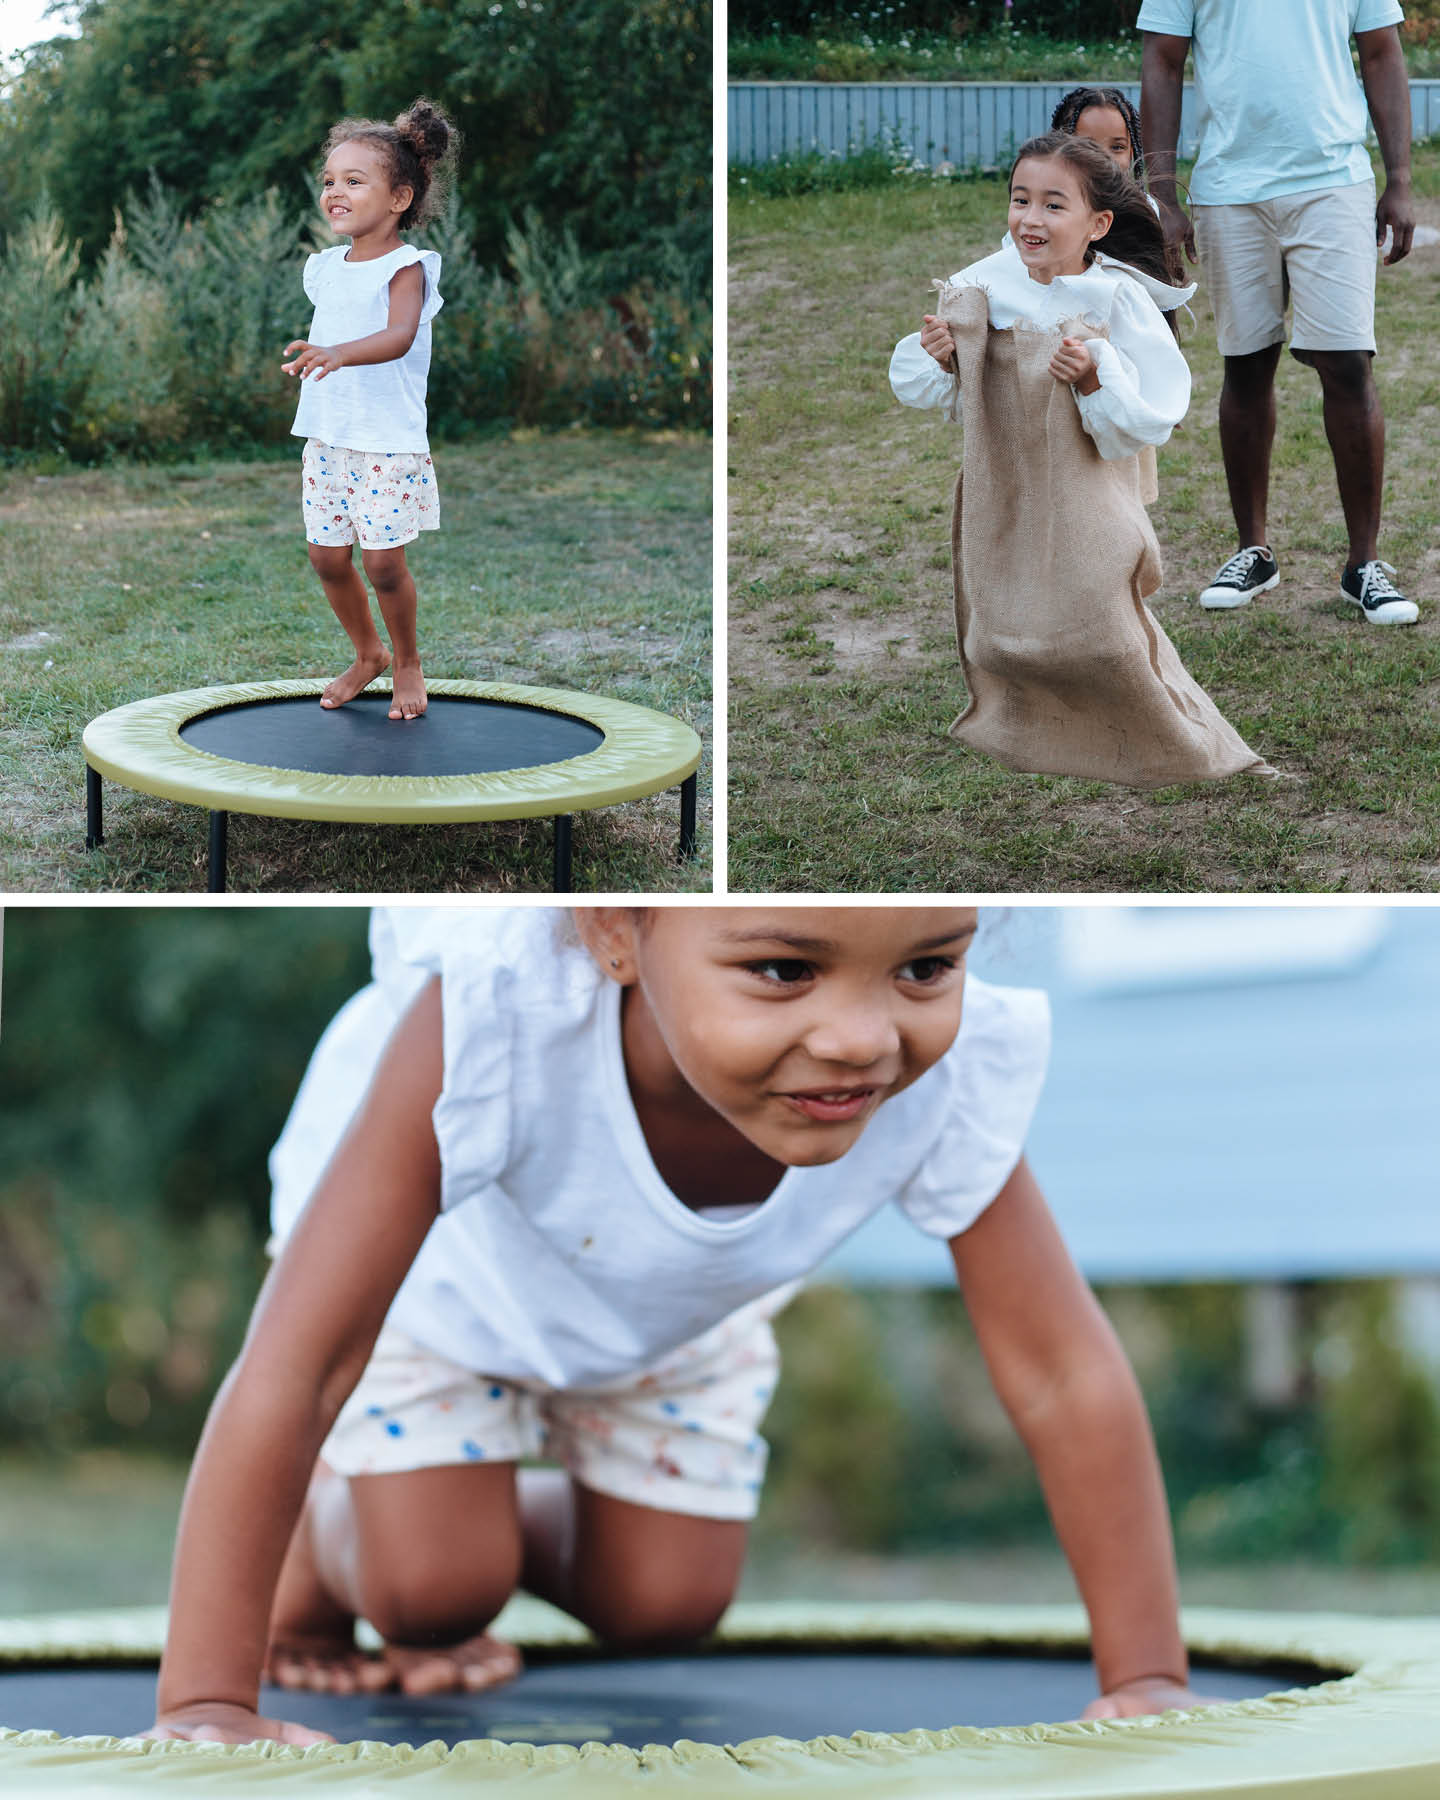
{"points": [[172, 344]]}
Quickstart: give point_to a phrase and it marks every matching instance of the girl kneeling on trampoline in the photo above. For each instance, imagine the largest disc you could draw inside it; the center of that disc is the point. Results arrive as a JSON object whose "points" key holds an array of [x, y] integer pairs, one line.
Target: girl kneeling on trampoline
{"points": [[545, 1184], [366, 470]]}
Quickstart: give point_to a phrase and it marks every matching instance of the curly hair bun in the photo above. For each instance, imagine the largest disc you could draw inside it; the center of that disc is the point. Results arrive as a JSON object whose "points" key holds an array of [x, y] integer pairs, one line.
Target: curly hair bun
{"points": [[427, 129]]}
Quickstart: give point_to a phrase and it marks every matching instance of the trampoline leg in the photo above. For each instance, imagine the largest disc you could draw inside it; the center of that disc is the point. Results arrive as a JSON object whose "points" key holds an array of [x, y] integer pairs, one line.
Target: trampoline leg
{"points": [[562, 853], [689, 791], [94, 817], [219, 834]]}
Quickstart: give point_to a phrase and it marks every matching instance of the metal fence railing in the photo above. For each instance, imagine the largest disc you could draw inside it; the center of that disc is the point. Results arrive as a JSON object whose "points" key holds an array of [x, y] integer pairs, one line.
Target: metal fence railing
{"points": [[967, 124]]}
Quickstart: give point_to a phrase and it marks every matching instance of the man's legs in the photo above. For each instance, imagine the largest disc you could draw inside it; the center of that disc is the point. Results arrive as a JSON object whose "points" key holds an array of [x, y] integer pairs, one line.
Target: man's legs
{"points": [[1247, 433], [1355, 426]]}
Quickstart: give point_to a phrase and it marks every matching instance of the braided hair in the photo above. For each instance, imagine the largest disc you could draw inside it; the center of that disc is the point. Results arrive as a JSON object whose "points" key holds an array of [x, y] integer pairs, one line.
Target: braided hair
{"points": [[418, 150], [1066, 116]]}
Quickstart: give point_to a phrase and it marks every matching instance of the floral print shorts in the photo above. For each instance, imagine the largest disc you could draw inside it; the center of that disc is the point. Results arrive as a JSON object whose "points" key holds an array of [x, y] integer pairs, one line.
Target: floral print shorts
{"points": [[681, 1435], [385, 498]]}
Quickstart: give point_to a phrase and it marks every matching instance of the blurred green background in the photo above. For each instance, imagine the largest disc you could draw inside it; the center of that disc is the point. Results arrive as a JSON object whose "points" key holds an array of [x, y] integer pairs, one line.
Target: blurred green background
{"points": [[147, 1059], [157, 178]]}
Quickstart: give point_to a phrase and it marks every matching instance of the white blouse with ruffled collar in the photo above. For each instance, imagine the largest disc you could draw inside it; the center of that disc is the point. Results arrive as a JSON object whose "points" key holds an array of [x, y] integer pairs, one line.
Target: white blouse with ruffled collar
{"points": [[1144, 387]]}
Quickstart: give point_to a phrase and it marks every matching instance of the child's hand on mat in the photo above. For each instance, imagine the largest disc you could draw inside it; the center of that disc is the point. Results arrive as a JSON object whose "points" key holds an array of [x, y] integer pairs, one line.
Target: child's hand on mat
{"points": [[1074, 364], [936, 339], [1149, 1694], [318, 360], [221, 1722]]}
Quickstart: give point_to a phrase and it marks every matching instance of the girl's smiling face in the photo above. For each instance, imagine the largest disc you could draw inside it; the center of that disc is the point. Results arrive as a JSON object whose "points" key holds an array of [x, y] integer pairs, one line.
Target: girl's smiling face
{"points": [[793, 1025], [1105, 126], [1051, 219], [355, 193]]}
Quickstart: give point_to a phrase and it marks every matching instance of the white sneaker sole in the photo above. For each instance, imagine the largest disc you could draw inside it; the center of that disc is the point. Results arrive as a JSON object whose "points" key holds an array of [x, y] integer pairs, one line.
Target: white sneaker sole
{"points": [[1225, 599], [1390, 612]]}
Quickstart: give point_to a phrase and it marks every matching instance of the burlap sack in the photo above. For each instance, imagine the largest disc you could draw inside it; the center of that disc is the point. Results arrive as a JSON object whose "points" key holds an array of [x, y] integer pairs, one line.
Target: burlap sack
{"points": [[1069, 672]]}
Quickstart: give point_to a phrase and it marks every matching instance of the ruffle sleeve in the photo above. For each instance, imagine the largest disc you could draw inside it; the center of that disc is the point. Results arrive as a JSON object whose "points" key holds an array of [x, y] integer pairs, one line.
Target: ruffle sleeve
{"points": [[992, 1078], [310, 276], [429, 261], [477, 965], [1144, 387]]}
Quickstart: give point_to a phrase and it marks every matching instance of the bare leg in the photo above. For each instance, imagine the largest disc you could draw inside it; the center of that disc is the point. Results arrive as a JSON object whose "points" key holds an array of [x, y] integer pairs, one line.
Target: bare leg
{"points": [[1247, 431], [428, 1557], [635, 1575], [395, 590], [351, 605], [1355, 426], [312, 1636]]}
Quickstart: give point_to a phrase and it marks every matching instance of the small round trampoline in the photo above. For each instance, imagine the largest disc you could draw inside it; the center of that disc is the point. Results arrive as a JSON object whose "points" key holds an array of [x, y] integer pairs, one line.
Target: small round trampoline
{"points": [[482, 750], [916, 1700]]}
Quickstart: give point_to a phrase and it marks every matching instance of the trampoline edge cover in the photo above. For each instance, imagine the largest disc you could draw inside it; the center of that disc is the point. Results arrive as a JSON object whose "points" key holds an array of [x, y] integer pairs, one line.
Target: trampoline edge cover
{"points": [[641, 752], [1370, 1734]]}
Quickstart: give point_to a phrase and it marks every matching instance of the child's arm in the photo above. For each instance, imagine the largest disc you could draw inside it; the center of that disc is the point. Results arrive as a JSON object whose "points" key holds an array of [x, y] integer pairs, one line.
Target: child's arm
{"points": [[313, 1328], [1065, 1382], [1134, 387], [407, 298]]}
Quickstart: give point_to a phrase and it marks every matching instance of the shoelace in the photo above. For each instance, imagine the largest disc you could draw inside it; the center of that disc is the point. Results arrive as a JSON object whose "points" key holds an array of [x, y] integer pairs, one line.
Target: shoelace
{"points": [[1238, 567], [1375, 583]]}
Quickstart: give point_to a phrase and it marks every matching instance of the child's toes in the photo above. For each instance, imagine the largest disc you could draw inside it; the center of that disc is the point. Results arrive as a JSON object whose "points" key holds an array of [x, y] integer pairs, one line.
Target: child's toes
{"points": [[478, 1663], [498, 1663]]}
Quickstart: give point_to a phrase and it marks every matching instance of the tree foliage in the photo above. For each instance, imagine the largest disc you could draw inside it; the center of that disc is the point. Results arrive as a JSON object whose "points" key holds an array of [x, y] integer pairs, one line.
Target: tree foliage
{"points": [[593, 114], [147, 1062]]}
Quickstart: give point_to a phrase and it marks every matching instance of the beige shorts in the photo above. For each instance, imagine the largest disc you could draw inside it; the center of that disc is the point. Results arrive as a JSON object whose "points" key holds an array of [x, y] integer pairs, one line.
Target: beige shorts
{"points": [[681, 1435], [384, 497], [1317, 249]]}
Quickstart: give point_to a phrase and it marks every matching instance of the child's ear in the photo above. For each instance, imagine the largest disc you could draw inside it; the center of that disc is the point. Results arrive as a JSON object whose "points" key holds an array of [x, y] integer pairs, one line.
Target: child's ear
{"points": [[609, 934], [1103, 222], [400, 199]]}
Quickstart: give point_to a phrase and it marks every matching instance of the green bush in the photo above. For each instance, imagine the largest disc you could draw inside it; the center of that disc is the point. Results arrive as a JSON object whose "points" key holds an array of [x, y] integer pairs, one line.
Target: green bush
{"points": [[42, 363], [173, 344], [145, 1068]]}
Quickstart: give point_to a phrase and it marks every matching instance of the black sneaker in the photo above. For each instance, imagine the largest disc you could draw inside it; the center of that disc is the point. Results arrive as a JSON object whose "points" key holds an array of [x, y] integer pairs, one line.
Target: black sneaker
{"points": [[1249, 572], [1370, 588]]}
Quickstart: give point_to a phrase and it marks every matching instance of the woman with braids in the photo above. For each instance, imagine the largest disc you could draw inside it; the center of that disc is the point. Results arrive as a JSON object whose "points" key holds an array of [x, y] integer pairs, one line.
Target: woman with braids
{"points": [[1069, 377], [367, 471]]}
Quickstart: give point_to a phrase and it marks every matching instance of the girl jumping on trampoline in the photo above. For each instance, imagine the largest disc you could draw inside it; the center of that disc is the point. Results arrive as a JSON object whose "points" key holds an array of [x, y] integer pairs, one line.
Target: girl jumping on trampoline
{"points": [[367, 472], [1058, 347], [545, 1184]]}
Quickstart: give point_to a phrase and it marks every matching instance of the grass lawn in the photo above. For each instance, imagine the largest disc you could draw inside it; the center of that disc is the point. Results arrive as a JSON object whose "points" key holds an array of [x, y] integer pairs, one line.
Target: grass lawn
{"points": [[98, 1528], [579, 560], [844, 676]]}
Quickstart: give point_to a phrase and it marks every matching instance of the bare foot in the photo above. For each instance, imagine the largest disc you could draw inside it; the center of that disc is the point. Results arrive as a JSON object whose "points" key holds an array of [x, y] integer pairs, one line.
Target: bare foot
{"points": [[359, 675], [312, 1638], [409, 692], [477, 1663]]}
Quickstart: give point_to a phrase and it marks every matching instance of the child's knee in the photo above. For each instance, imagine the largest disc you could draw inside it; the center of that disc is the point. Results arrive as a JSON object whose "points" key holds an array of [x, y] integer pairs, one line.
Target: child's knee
{"points": [[329, 561], [646, 1613], [386, 569], [418, 1600]]}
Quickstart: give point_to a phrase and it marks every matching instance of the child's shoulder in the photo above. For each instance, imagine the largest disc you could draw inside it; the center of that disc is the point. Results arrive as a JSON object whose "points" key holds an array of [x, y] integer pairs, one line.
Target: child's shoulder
{"points": [[497, 957], [989, 268]]}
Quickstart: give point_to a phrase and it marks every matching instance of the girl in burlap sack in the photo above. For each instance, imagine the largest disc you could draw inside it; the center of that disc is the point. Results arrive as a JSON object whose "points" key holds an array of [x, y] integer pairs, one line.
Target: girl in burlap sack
{"points": [[1070, 378]]}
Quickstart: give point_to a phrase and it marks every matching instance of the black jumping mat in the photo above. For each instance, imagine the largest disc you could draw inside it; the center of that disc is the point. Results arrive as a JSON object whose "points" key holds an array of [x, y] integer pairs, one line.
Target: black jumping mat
{"points": [[456, 735], [721, 1698]]}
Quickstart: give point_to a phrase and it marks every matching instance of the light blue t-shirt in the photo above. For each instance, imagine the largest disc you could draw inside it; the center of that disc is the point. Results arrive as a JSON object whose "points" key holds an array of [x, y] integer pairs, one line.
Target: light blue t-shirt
{"points": [[1278, 104]]}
